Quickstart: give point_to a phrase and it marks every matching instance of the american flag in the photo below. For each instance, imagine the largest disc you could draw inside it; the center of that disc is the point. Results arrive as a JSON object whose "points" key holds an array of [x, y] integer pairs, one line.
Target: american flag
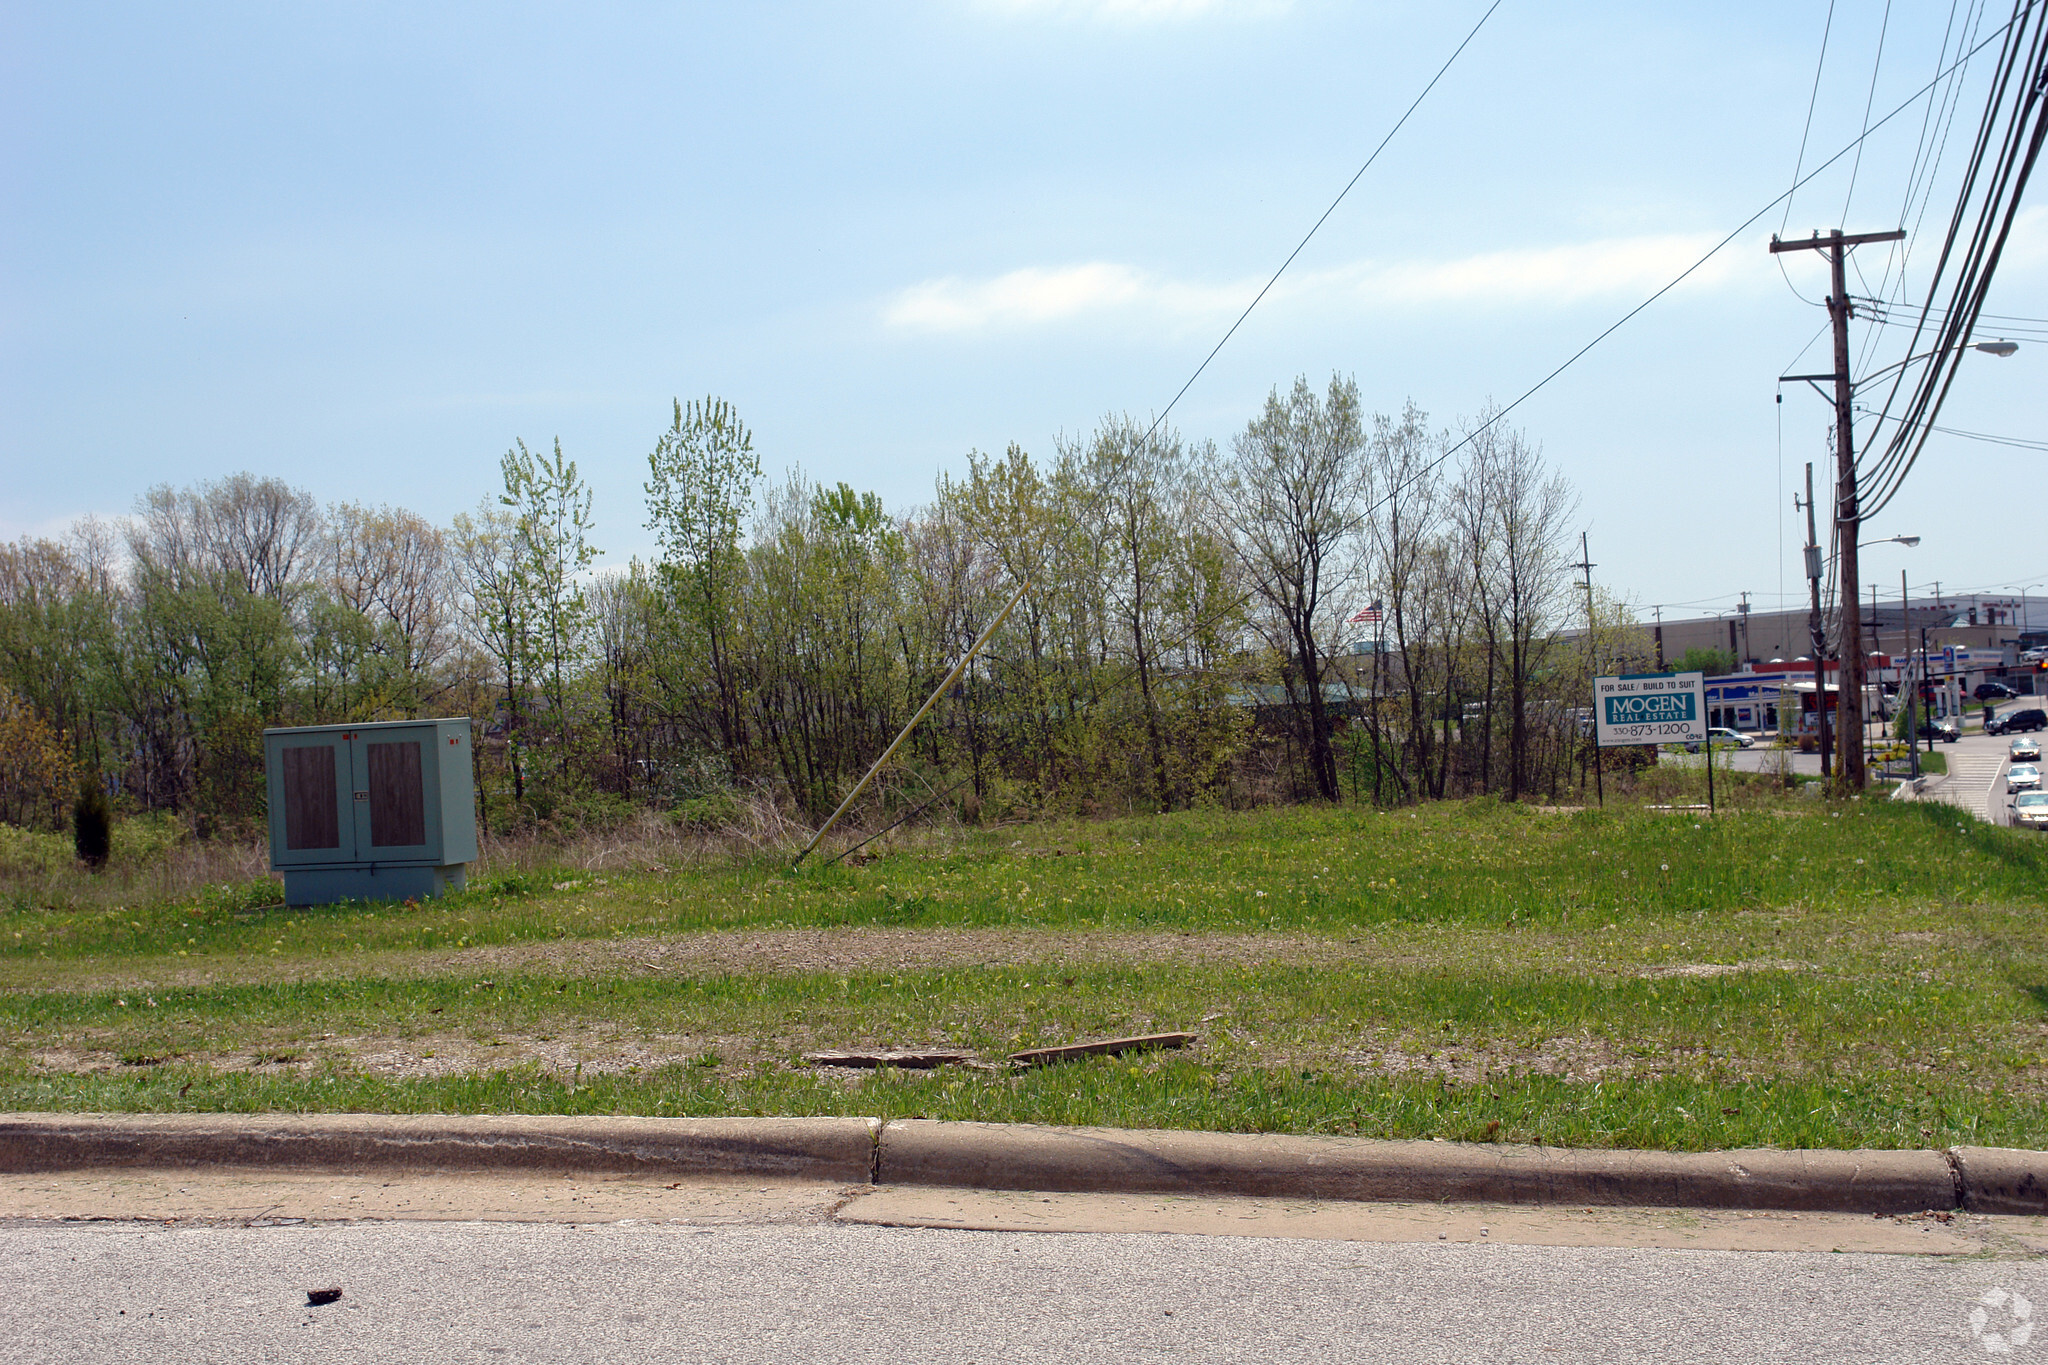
{"points": [[1371, 616]]}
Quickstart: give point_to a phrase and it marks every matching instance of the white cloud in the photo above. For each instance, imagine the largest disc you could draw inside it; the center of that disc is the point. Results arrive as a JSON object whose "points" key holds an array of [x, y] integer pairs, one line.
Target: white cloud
{"points": [[2027, 246], [1033, 296], [1136, 11], [1556, 275]]}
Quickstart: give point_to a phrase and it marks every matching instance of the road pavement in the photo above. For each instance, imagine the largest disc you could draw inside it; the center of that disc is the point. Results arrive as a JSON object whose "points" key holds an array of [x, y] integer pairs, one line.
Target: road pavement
{"points": [[1976, 776], [435, 1292]]}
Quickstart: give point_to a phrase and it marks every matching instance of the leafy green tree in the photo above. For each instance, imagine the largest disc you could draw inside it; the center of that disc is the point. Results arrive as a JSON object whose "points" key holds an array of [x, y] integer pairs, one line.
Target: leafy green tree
{"points": [[550, 506], [1708, 661], [495, 608], [700, 489]]}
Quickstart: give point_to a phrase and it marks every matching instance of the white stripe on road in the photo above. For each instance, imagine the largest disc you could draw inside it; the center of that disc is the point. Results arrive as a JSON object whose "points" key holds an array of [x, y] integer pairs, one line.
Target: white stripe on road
{"points": [[1971, 777]]}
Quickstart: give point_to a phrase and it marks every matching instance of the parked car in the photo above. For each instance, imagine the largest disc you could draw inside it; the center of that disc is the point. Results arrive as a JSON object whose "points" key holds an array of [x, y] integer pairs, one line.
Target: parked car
{"points": [[1721, 737], [2030, 810], [2023, 777], [2018, 722], [2025, 750], [1945, 730], [1993, 691]]}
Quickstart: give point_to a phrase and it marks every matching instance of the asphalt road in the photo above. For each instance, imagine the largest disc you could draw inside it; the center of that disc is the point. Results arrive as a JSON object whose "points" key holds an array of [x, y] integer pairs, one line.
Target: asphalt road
{"points": [[426, 1293]]}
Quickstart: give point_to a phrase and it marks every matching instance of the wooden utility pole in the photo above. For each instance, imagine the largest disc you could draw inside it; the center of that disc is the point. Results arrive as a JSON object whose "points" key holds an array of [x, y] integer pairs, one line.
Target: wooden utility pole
{"points": [[1818, 629], [1593, 667], [1848, 520]]}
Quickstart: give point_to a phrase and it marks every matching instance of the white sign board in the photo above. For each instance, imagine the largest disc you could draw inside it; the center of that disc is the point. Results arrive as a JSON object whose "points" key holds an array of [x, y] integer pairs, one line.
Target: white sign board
{"points": [[1649, 708]]}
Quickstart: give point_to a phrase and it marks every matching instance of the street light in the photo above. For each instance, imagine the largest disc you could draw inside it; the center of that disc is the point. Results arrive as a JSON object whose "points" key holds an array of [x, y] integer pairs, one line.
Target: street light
{"points": [[1847, 518], [1908, 541], [1997, 348]]}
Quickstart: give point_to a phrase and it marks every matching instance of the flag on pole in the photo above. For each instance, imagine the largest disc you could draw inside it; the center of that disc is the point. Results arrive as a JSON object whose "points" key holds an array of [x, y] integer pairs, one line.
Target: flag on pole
{"points": [[1371, 616]]}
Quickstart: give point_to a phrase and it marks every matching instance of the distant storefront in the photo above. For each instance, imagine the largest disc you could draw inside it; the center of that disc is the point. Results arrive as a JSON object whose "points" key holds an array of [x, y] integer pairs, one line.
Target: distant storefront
{"points": [[1743, 701]]}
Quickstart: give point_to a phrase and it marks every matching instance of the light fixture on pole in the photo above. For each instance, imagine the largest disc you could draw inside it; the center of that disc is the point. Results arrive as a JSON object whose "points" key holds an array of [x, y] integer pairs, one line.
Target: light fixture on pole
{"points": [[1848, 517]]}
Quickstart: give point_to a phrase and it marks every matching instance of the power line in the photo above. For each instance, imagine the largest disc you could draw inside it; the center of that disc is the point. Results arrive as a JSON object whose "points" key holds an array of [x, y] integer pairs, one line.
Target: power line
{"points": [[1876, 65], [1713, 251], [1799, 164], [1024, 583], [1950, 102], [1412, 107], [2018, 442], [2017, 150]]}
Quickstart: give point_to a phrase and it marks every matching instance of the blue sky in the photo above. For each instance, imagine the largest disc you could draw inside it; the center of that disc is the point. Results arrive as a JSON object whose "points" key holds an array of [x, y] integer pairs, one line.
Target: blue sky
{"points": [[366, 247]]}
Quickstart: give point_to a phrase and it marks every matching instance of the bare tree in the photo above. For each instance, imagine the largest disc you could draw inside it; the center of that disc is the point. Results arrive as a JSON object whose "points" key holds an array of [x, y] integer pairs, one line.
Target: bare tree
{"points": [[1415, 581], [390, 566], [1290, 501], [1514, 527]]}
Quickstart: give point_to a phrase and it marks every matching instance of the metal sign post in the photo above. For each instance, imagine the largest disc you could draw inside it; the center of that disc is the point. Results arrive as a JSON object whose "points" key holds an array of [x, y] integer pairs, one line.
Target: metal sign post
{"points": [[1653, 708]]}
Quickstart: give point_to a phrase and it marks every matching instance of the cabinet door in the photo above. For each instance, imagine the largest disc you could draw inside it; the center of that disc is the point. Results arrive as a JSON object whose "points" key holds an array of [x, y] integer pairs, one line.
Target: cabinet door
{"points": [[398, 815], [312, 782]]}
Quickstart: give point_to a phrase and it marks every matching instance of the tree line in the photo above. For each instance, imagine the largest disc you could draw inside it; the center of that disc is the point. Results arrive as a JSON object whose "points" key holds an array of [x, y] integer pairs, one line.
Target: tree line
{"points": [[1337, 605]]}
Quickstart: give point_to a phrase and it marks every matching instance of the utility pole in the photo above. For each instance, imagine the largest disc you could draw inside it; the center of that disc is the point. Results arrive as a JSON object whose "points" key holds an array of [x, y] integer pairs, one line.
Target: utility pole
{"points": [[1585, 565], [1660, 637], [1743, 611], [1906, 653], [1816, 627], [1848, 519]]}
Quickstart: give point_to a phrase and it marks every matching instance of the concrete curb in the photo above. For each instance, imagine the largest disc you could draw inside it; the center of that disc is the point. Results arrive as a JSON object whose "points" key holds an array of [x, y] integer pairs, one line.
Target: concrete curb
{"points": [[999, 1156], [2001, 1179], [1029, 1157], [832, 1149]]}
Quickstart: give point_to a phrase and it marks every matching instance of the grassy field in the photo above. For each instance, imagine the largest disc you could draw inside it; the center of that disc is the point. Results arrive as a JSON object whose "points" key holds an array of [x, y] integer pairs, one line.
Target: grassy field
{"points": [[1791, 973]]}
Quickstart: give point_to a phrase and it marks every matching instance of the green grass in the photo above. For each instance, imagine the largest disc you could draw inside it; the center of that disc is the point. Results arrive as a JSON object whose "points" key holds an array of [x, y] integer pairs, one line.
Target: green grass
{"points": [[1461, 971], [1476, 863], [1664, 1113]]}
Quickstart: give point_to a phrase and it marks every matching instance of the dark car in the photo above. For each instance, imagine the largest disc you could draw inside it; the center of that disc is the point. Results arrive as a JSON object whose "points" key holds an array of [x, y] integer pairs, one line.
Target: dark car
{"points": [[1945, 730], [2019, 722], [1993, 691]]}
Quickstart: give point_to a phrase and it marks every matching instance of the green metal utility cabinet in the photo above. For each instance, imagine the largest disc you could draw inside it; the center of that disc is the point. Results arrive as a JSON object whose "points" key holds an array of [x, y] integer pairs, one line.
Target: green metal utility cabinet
{"points": [[370, 812]]}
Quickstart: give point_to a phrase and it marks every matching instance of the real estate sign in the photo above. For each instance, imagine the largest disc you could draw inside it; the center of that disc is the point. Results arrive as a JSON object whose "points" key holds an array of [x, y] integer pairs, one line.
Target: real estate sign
{"points": [[1649, 708]]}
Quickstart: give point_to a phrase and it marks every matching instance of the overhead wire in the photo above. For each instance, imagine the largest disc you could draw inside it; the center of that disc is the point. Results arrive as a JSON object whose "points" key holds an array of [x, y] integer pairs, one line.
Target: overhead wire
{"points": [[1799, 162], [1921, 179], [1024, 584], [2024, 7], [1413, 105], [2023, 62], [1893, 460], [2016, 442], [1869, 102]]}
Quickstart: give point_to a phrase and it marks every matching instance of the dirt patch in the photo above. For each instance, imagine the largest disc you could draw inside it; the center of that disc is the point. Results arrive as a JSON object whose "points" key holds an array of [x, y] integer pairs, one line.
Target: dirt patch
{"points": [[781, 952], [1580, 1058], [1695, 969]]}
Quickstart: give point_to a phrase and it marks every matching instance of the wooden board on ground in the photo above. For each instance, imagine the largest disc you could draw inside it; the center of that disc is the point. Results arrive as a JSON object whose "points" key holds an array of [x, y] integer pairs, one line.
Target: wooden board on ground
{"points": [[1038, 1056]]}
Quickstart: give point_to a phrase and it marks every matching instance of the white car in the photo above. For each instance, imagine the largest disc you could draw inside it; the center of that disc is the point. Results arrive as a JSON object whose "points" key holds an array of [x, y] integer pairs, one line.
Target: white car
{"points": [[2023, 777], [2030, 810], [1721, 737]]}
